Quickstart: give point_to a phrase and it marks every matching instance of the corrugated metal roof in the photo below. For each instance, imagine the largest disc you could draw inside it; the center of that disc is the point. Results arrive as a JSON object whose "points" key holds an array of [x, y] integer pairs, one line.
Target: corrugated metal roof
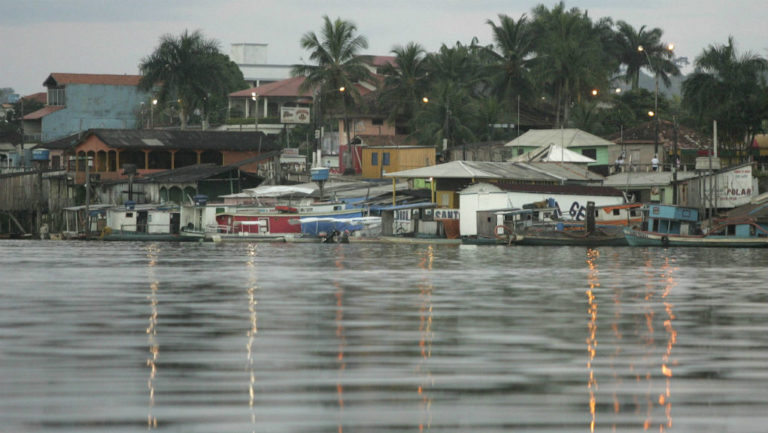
{"points": [[563, 189], [567, 137], [177, 139], [286, 88], [645, 179], [39, 114], [530, 172], [59, 79]]}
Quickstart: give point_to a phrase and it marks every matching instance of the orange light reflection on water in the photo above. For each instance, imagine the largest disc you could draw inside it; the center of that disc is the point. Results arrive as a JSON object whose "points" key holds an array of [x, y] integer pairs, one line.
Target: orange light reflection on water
{"points": [[594, 282], [425, 340], [154, 348]]}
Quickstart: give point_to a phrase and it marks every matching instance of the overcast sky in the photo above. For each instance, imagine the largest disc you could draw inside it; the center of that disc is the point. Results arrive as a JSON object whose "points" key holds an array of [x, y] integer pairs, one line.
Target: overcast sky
{"points": [[38, 37]]}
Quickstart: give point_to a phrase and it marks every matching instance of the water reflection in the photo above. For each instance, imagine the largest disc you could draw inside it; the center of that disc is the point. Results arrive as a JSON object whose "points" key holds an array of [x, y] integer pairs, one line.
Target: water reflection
{"points": [[425, 340], [253, 329], [647, 357], [153, 250], [342, 339], [593, 282]]}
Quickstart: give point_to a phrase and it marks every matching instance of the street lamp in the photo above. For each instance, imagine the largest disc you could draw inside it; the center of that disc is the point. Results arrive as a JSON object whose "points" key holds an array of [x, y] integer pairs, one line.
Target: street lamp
{"points": [[669, 47], [152, 114], [255, 99], [342, 90]]}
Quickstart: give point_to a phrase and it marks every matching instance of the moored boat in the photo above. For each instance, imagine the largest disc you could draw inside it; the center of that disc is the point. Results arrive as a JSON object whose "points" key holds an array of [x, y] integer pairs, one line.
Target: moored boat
{"points": [[676, 226]]}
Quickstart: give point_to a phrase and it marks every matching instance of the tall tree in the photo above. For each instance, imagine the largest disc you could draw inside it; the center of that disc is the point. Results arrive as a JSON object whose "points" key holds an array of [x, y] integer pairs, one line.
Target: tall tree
{"points": [[512, 57], [187, 68], [405, 82], [629, 40], [337, 62], [338, 66], [731, 89], [570, 58]]}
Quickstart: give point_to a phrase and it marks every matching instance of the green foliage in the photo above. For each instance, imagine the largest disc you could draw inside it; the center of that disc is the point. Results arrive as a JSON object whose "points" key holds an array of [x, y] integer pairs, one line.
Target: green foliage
{"points": [[190, 70], [731, 89], [10, 127], [337, 64]]}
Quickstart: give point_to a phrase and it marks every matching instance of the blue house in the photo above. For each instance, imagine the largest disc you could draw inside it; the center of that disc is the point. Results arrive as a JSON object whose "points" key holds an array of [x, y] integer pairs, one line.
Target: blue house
{"points": [[79, 102]]}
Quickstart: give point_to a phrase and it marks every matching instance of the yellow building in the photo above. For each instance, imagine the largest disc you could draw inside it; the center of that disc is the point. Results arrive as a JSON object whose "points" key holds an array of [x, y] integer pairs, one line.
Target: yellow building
{"points": [[379, 160]]}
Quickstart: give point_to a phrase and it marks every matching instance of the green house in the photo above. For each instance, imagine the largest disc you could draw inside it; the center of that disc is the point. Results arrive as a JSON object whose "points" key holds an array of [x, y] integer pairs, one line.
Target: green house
{"points": [[572, 139]]}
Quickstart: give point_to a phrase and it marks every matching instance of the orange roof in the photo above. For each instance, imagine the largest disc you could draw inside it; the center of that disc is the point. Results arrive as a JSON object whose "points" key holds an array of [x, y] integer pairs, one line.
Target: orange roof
{"points": [[58, 79], [41, 97], [39, 114], [289, 87], [383, 60]]}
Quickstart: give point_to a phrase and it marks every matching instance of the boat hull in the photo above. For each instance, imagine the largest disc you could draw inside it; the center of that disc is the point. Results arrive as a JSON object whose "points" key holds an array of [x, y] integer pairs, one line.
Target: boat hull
{"points": [[653, 239]]}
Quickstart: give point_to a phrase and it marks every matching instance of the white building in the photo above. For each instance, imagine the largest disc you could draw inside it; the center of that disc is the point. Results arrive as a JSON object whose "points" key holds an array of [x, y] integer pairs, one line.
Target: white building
{"points": [[252, 61]]}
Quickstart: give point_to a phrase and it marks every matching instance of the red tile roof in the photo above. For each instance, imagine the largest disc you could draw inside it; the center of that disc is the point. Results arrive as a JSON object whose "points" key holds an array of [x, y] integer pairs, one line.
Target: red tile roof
{"points": [[289, 87], [383, 60], [41, 97], [58, 79], [39, 114]]}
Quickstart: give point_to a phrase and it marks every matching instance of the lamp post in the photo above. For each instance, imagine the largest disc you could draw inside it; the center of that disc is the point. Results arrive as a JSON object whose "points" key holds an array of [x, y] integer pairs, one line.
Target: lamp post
{"points": [[655, 70], [655, 101], [152, 114], [342, 91], [255, 99]]}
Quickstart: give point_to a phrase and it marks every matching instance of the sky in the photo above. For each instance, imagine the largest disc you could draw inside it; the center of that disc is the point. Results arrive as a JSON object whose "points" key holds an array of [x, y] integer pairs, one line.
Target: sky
{"points": [[38, 37]]}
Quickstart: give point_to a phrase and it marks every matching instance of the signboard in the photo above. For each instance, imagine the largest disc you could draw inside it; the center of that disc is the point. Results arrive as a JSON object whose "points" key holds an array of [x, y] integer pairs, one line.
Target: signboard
{"points": [[446, 214], [734, 188], [294, 115]]}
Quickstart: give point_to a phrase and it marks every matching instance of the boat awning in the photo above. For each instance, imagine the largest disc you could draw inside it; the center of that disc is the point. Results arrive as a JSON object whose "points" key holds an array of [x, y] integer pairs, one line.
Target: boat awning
{"points": [[272, 191], [423, 205]]}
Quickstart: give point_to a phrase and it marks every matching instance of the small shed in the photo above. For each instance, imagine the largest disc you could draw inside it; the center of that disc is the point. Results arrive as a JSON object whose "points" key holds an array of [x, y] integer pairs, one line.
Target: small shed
{"points": [[379, 160]]}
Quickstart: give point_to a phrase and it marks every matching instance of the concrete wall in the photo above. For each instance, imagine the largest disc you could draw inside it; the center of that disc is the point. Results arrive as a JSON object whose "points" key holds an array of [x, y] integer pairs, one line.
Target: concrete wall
{"points": [[94, 106]]}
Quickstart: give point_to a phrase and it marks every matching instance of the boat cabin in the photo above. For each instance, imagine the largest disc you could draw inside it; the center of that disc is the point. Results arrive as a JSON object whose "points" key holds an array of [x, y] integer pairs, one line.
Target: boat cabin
{"points": [[667, 219], [144, 218]]}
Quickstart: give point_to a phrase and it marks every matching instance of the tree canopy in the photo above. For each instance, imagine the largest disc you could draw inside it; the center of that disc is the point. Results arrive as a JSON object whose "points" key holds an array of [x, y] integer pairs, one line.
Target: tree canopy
{"points": [[190, 70]]}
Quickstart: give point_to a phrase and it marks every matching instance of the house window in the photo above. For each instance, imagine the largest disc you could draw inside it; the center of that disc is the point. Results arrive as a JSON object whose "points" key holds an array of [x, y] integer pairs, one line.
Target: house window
{"points": [[377, 121], [591, 153], [385, 158], [56, 96], [520, 150], [375, 158]]}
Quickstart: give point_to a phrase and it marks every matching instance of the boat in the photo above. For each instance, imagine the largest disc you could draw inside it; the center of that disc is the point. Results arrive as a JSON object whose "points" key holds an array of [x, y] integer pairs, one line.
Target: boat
{"points": [[142, 222], [538, 226], [678, 226], [561, 234]]}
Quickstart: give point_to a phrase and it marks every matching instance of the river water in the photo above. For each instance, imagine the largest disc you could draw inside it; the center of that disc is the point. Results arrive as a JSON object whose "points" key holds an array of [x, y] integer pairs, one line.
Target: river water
{"points": [[126, 337]]}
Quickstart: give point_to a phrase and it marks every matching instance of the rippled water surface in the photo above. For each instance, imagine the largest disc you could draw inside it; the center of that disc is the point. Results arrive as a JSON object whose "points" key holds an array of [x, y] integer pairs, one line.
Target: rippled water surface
{"points": [[123, 337]]}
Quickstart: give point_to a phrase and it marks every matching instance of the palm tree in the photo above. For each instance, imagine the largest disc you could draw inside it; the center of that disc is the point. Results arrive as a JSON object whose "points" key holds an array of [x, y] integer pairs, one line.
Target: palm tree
{"points": [[406, 82], [570, 59], [338, 65], [629, 40], [509, 72], [185, 69], [447, 117], [729, 88]]}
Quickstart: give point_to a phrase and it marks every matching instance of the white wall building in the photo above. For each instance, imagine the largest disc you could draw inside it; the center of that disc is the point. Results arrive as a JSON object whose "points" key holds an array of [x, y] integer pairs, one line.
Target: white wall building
{"points": [[485, 197], [252, 60]]}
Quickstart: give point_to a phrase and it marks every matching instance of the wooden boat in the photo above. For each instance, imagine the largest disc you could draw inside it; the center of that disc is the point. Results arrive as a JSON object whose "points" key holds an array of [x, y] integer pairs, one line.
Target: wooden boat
{"points": [[142, 222], [574, 235], [677, 226], [603, 227]]}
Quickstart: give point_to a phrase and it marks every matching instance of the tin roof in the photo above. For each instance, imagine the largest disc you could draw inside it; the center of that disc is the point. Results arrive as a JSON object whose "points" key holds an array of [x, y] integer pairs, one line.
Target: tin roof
{"points": [[62, 79], [566, 137], [284, 88], [39, 114], [177, 139]]}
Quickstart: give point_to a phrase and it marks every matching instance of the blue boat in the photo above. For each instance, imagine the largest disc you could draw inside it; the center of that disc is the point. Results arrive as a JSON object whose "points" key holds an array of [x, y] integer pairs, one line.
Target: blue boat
{"points": [[678, 226]]}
